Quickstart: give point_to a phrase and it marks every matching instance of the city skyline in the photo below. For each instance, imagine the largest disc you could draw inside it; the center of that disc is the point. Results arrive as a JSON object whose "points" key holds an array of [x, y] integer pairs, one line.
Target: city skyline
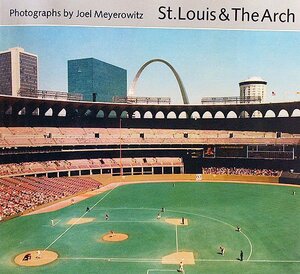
{"points": [[211, 63]]}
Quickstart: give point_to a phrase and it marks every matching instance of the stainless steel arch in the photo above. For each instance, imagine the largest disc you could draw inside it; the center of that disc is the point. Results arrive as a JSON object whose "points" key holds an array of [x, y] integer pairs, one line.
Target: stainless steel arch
{"points": [[131, 91]]}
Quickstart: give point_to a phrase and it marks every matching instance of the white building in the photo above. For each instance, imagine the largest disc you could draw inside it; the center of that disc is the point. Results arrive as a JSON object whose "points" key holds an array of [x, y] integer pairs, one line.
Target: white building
{"points": [[254, 87]]}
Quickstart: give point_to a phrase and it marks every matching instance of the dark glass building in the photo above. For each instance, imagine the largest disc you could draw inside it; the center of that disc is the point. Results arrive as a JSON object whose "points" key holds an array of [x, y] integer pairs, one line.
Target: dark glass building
{"points": [[18, 71], [96, 80], [5, 73]]}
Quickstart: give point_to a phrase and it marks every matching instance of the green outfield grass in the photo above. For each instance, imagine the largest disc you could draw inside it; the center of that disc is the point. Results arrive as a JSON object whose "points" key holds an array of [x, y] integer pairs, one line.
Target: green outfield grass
{"points": [[268, 215]]}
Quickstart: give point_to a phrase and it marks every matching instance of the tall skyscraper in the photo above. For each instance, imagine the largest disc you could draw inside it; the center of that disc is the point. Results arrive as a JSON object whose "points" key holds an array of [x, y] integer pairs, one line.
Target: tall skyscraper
{"points": [[18, 71], [254, 87], [96, 80]]}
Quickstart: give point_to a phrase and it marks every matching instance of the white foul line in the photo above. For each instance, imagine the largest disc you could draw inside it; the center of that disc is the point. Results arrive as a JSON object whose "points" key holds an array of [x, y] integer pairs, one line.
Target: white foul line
{"points": [[176, 239], [77, 220]]}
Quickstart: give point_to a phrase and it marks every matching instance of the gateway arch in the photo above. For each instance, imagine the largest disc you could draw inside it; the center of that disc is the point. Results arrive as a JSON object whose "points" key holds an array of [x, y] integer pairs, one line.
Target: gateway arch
{"points": [[180, 84]]}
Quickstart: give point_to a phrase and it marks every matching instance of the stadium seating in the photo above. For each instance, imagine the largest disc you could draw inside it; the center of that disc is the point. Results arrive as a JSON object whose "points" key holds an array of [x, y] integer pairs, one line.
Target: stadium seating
{"points": [[20, 194], [30, 137], [241, 171], [32, 168]]}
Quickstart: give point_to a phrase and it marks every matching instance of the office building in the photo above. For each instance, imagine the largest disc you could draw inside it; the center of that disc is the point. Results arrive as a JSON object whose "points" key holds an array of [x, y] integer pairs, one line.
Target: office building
{"points": [[254, 87], [18, 71], [96, 80]]}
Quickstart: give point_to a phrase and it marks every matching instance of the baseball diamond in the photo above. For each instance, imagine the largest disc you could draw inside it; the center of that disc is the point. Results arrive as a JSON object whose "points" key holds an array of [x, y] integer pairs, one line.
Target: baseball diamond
{"points": [[212, 212]]}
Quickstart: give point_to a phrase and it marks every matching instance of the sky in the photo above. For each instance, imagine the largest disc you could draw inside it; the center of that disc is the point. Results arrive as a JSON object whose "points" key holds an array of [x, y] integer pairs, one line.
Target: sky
{"points": [[211, 63]]}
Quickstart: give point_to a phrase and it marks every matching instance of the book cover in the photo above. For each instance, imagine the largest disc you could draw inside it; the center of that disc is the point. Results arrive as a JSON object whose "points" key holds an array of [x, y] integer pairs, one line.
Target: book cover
{"points": [[149, 137]]}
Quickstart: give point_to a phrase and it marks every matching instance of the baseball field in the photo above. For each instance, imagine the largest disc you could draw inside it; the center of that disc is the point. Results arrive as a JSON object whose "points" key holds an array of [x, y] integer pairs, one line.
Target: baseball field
{"points": [[150, 228]]}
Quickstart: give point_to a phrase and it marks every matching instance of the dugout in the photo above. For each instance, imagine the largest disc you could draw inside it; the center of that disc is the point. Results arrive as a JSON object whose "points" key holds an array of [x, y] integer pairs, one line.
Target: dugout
{"points": [[290, 178]]}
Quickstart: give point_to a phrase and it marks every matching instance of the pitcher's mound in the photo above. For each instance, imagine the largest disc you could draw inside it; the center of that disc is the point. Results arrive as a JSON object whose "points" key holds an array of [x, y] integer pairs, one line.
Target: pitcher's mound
{"points": [[177, 221], [36, 258], [177, 257], [114, 237], [79, 221]]}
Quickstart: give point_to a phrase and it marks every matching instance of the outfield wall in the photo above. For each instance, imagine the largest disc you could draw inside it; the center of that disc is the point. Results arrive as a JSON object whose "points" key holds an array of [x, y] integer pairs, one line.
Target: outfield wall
{"points": [[241, 178], [107, 179]]}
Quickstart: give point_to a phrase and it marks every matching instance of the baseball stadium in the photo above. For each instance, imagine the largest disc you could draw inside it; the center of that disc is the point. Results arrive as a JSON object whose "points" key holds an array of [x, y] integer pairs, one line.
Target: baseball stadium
{"points": [[129, 188]]}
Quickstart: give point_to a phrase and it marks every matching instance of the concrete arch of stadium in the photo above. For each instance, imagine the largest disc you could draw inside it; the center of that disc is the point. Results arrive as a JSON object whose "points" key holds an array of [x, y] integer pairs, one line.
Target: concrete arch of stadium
{"points": [[16, 106]]}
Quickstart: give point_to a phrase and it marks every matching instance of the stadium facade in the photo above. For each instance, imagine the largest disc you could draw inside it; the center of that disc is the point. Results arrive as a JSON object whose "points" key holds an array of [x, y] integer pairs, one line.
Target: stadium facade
{"points": [[82, 133], [96, 80], [18, 71]]}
